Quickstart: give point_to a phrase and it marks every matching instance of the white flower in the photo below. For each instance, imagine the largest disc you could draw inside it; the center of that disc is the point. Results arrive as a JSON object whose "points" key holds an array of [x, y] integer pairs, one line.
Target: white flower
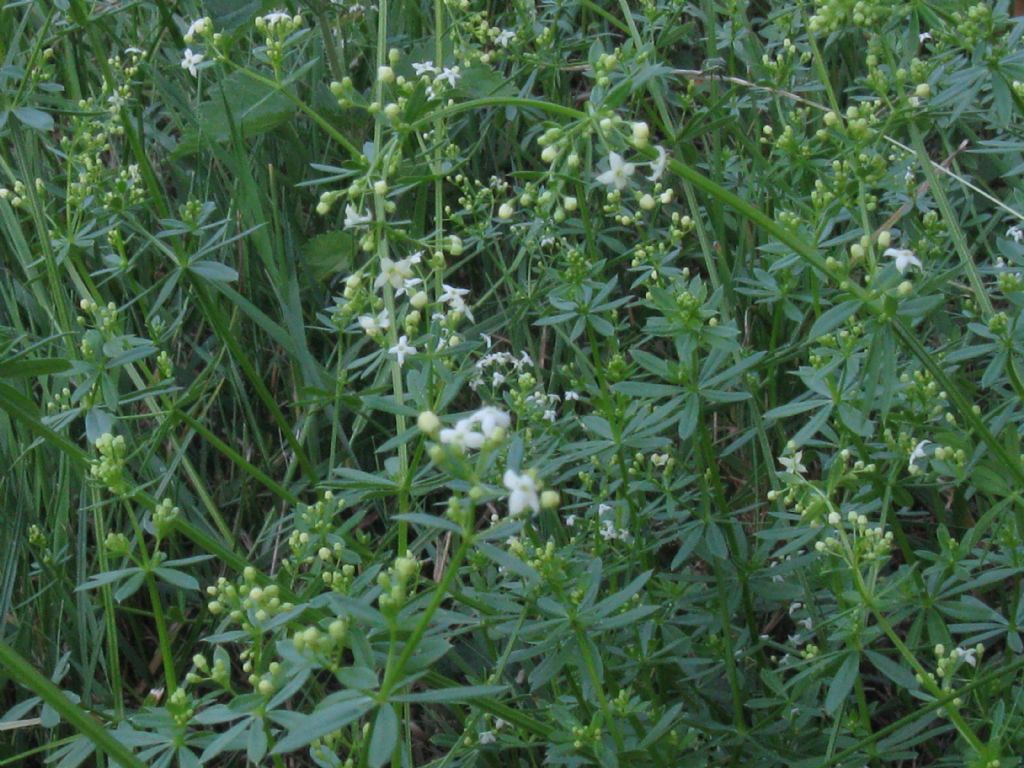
{"points": [[133, 49], [393, 272], [603, 509], [658, 166], [276, 17], [487, 737], [618, 172], [451, 75], [462, 435], [374, 324], [793, 464], [490, 419], [407, 285], [402, 349], [570, 521], [919, 452], [1016, 233], [924, 36], [550, 414], [571, 395], [197, 27], [453, 297], [424, 68], [904, 258], [354, 219], [523, 494], [190, 60], [969, 655], [506, 37], [608, 531]]}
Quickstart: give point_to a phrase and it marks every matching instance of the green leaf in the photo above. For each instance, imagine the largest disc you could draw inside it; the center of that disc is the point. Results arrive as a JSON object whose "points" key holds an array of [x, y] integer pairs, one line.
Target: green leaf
{"points": [[833, 318], [460, 693], [177, 578], [893, 670], [385, 736], [334, 713], [34, 118], [213, 271], [18, 368], [842, 683]]}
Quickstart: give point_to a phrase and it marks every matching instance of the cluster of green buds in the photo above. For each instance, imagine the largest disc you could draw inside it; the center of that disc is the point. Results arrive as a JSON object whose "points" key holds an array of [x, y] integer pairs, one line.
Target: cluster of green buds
{"points": [[277, 27], [780, 64], [164, 365], [832, 15], [103, 318], [543, 558], [219, 672], [316, 640], [124, 188], [855, 540], [117, 544], [108, 468], [37, 541], [396, 581], [587, 736], [61, 401], [809, 651], [948, 662], [164, 515], [266, 684], [246, 602], [180, 706], [976, 25], [1008, 279], [16, 196]]}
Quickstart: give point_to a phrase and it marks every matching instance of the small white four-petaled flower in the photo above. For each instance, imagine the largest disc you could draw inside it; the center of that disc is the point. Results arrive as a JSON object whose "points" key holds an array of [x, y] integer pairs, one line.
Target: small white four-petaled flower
{"points": [[903, 258], [618, 172], [451, 75], [355, 219], [658, 165], [190, 61], [402, 349], [523, 494], [919, 452], [374, 324], [793, 463]]}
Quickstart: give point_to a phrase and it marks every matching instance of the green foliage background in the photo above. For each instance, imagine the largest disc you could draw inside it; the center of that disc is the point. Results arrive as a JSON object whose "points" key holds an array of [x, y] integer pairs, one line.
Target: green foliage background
{"points": [[774, 377]]}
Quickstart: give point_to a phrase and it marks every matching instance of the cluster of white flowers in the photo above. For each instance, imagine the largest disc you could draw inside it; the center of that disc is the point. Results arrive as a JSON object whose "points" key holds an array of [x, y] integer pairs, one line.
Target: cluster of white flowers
{"points": [[606, 527], [190, 60], [488, 423], [443, 76], [504, 365], [481, 429]]}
